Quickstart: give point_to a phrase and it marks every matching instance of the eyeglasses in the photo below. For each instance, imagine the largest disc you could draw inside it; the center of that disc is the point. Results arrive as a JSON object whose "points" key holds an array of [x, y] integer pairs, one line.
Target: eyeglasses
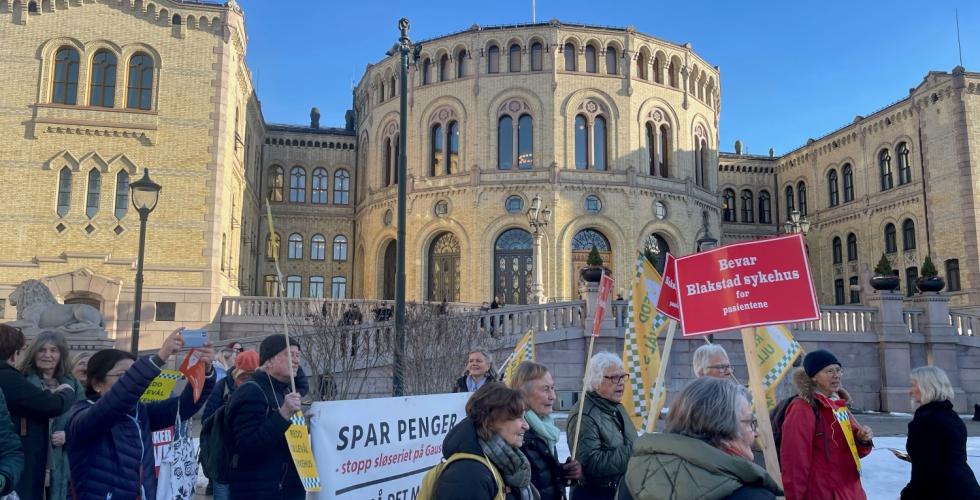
{"points": [[721, 368], [237, 349], [753, 422], [834, 371], [616, 378]]}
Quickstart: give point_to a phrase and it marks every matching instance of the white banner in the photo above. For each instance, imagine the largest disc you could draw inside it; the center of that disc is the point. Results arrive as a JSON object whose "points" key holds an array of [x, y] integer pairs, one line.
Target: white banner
{"points": [[380, 448]]}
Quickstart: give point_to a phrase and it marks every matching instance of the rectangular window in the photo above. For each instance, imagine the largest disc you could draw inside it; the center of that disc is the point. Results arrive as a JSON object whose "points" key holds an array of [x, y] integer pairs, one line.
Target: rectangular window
{"points": [[294, 286], [166, 311], [911, 274], [338, 287], [316, 287], [839, 292], [952, 276], [855, 290], [271, 285]]}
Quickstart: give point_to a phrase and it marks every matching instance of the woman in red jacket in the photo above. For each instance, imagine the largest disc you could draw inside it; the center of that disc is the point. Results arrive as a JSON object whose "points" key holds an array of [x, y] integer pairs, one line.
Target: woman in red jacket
{"points": [[821, 442]]}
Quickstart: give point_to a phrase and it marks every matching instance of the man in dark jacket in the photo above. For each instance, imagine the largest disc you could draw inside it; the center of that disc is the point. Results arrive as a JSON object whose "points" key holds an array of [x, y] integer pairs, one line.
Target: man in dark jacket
{"points": [[257, 418], [11, 456]]}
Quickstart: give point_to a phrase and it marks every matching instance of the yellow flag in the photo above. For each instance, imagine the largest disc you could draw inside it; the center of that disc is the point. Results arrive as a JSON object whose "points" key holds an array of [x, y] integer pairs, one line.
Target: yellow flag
{"points": [[641, 353], [523, 351], [300, 448], [777, 350]]}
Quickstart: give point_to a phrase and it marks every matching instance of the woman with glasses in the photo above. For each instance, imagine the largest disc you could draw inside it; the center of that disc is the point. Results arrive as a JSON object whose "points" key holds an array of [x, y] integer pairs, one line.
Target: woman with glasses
{"points": [[606, 438], [822, 443], [706, 451]]}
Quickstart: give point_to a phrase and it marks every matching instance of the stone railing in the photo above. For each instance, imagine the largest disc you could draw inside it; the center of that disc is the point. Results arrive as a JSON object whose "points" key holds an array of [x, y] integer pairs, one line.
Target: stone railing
{"points": [[914, 319], [515, 320], [967, 325], [241, 308], [840, 319]]}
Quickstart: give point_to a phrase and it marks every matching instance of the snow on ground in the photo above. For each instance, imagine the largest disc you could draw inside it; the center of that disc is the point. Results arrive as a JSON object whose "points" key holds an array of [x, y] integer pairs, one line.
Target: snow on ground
{"points": [[884, 475]]}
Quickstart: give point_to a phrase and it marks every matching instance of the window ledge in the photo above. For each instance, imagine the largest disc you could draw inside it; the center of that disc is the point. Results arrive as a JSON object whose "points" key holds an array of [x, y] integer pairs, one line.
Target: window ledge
{"points": [[84, 120]]}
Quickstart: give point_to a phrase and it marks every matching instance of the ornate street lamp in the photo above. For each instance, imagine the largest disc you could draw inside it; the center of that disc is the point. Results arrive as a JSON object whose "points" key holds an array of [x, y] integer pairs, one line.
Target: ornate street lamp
{"points": [[538, 218], [706, 241], [797, 223], [145, 194]]}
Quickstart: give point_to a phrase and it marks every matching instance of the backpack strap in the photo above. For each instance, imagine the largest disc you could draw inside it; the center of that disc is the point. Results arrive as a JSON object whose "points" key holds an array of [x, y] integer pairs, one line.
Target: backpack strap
{"points": [[485, 461]]}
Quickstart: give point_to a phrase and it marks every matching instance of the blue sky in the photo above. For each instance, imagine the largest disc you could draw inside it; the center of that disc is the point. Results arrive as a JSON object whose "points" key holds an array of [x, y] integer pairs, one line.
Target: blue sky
{"points": [[789, 70]]}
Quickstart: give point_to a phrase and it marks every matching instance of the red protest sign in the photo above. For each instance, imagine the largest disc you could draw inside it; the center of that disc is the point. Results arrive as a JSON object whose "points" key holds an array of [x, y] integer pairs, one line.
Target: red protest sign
{"points": [[755, 283], [667, 302], [193, 369], [605, 286]]}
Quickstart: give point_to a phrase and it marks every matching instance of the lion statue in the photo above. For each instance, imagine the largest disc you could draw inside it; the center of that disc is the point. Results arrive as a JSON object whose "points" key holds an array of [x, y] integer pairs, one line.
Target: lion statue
{"points": [[37, 307]]}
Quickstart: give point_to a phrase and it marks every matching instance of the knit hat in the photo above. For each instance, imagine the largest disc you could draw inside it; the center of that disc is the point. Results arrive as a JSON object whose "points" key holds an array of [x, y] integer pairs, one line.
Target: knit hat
{"points": [[247, 361], [818, 360], [272, 345]]}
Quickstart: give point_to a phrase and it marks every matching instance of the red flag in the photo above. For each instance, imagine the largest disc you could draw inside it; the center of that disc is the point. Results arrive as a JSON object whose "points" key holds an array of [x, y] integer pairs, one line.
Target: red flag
{"points": [[193, 369], [605, 286], [667, 302]]}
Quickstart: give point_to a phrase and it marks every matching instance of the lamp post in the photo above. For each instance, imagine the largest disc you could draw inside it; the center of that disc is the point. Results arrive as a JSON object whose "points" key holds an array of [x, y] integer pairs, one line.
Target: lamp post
{"points": [[144, 194], [797, 223], [538, 218], [706, 241]]}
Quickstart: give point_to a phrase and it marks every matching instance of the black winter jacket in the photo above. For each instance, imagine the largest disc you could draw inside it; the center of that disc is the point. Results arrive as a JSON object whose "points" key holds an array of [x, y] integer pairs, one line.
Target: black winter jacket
{"points": [[30, 410], [465, 479], [546, 471], [262, 468], [11, 455], [937, 447]]}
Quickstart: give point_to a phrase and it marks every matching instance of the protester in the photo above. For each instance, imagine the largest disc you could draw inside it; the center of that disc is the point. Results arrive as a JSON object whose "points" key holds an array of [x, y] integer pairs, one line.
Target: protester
{"points": [[78, 365], [479, 370], [46, 366], [245, 365], [226, 359], [257, 417], [711, 360], [31, 408], [817, 461], [607, 435], [11, 453], [937, 441], [494, 427], [109, 434], [548, 474], [705, 452]]}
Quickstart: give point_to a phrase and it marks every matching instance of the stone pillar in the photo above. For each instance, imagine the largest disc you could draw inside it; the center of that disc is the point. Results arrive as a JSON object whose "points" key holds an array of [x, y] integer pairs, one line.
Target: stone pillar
{"points": [[893, 351], [941, 341], [590, 294]]}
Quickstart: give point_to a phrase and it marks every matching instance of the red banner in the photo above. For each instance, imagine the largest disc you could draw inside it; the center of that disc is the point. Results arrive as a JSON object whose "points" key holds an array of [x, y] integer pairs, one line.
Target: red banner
{"points": [[667, 303], [605, 286], [193, 369], [756, 283]]}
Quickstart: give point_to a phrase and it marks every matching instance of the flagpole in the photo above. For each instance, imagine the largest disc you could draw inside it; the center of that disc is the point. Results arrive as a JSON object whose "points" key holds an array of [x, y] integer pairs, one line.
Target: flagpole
{"points": [[282, 295], [759, 404], [605, 286], [581, 402], [656, 402]]}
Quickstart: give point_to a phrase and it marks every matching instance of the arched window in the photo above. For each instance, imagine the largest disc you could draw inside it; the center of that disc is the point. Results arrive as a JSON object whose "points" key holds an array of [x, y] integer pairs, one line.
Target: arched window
{"points": [[320, 187], [570, 56], [832, 194], [294, 287], [64, 191], [891, 243], [908, 235], [316, 287], [276, 183], [122, 194], [381, 92], [525, 142], [590, 141], [953, 275], [341, 187], [641, 66], [801, 197], [31, 7], [658, 70], [790, 206], [140, 90], [444, 268], [386, 162], [599, 143], [103, 79], [507, 136], [176, 20], [318, 247], [297, 185], [664, 148], [590, 59], [444, 68], [391, 86], [493, 59], [747, 205], [452, 137], [272, 242], [338, 287], [581, 142], [65, 82], [702, 163], [852, 247], [295, 246], [612, 62], [426, 63], [848, 182], [765, 208], [904, 164], [514, 59], [839, 292], [505, 143], [435, 143], [837, 251], [673, 71], [461, 58], [513, 259], [340, 247], [536, 56], [728, 205], [93, 193], [651, 137], [885, 167]]}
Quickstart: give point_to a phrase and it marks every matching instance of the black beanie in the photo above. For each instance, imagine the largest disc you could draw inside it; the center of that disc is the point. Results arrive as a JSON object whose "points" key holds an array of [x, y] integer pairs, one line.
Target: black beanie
{"points": [[272, 345], [816, 361]]}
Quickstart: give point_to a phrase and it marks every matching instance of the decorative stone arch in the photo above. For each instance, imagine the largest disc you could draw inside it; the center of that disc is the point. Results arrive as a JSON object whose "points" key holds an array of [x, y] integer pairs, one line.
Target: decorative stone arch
{"points": [[515, 102], [591, 102], [673, 72], [93, 161], [490, 43], [429, 234], [62, 159], [613, 232], [488, 238], [46, 53], [122, 72], [512, 268], [85, 286]]}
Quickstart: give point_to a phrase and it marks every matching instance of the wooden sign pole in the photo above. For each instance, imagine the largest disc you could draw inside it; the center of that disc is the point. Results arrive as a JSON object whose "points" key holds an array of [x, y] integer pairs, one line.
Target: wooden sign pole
{"points": [[759, 404], [655, 400], [581, 401]]}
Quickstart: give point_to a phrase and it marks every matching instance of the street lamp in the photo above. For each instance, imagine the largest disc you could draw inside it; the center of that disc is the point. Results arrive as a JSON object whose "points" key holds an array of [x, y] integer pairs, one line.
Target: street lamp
{"points": [[797, 223], [538, 218], [145, 193], [706, 241]]}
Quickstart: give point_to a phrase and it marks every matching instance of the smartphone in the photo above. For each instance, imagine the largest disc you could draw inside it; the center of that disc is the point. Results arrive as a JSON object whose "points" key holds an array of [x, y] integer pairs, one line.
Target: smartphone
{"points": [[195, 338]]}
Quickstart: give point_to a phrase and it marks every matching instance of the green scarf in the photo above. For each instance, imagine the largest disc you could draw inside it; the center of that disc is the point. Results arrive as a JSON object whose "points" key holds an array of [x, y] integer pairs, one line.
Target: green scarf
{"points": [[544, 427]]}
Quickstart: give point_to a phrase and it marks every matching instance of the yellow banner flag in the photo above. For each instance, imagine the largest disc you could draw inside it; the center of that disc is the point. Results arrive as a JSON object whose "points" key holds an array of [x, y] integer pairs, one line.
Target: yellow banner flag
{"points": [[161, 386], [523, 351], [641, 353], [777, 350], [298, 440]]}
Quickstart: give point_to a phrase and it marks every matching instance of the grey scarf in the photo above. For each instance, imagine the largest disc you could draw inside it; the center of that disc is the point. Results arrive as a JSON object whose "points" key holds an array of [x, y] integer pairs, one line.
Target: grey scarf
{"points": [[512, 464]]}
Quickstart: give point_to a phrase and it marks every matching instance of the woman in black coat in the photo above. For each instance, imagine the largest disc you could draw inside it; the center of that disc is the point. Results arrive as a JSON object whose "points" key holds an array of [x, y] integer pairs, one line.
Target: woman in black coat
{"points": [[31, 408], [937, 441]]}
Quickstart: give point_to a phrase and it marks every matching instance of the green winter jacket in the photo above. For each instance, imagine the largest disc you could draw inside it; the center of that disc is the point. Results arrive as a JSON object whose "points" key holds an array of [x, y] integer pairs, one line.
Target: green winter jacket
{"points": [[57, 458], [11, 455], [606, 440], [678, 467]]}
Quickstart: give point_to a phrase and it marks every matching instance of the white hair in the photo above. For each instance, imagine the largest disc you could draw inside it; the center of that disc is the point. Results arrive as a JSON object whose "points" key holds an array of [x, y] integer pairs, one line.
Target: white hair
{"points": [[933, 383], [597, 368], [702, 356]]}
